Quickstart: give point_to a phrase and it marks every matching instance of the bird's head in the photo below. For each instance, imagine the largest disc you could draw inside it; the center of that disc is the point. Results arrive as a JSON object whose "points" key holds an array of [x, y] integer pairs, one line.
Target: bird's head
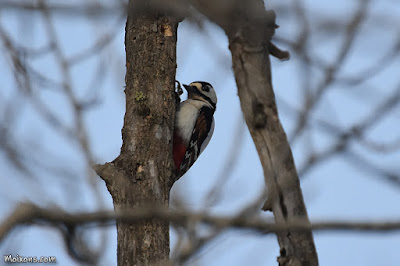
{"points": [[203, 91]]}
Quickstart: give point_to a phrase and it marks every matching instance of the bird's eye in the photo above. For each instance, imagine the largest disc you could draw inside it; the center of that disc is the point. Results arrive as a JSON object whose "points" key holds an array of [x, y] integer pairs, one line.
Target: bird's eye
{"points": [[206, 88]]}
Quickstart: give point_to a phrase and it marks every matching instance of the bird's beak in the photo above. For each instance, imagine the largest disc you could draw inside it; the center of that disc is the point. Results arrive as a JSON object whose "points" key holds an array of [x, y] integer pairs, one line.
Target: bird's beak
{"points": [[189, 88]]}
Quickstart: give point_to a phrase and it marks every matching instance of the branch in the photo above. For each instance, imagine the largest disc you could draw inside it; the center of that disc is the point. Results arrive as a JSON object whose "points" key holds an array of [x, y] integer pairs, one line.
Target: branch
{"points": [[250, 28], [83, 9], [26, 213], [330, 73]]}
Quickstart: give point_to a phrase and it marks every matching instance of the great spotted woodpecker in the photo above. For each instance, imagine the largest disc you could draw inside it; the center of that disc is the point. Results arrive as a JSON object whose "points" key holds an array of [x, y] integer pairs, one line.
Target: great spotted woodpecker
{"points": [[194, 125]]}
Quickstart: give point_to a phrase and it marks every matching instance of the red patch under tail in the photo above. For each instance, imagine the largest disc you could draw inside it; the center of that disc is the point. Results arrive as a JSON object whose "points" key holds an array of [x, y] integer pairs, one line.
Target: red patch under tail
{"points": [[179, 151]]}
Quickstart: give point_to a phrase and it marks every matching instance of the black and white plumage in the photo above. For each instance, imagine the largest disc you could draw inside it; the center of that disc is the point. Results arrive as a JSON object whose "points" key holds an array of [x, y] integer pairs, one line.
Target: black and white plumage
{"points": [[194, 125]]}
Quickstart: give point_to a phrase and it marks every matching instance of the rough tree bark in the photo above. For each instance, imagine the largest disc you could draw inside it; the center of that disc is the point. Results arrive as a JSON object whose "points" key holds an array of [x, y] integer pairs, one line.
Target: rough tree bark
{"points": [[142, 175], [249, 29]]}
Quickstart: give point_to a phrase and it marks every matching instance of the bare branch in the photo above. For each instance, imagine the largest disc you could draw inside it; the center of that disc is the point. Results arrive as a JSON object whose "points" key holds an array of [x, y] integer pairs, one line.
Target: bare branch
{"points": [[330, 73], [83, 9], [30, 214], [249, 28]]}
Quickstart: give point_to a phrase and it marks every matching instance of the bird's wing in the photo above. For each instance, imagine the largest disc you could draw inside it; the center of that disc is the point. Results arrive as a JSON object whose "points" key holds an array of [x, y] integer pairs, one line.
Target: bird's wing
{"points": [[201, 135]]}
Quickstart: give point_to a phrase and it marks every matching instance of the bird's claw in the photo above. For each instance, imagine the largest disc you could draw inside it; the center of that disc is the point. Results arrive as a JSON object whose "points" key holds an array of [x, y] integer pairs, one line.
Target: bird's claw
{"points": [[178, 92], [179, 88]]}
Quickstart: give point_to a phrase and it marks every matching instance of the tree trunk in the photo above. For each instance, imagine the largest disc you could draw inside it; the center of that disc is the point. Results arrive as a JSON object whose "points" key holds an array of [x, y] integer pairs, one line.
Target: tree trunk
{"points": [[142, 175], [285, 199], [249, 29]]}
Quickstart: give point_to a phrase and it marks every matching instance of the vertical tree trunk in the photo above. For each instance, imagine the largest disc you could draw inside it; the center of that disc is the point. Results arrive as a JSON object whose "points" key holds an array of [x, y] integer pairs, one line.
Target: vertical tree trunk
{"points": [[285, 199], [252, 70], [142, 174], [249, 29]]}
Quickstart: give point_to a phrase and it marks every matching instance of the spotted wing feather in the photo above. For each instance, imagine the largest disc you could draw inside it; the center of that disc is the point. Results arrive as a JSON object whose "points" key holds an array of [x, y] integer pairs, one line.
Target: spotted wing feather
{"points": [[201, 134]]}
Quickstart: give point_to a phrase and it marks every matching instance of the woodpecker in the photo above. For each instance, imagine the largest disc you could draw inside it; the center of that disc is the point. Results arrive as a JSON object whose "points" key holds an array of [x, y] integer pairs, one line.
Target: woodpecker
{"points": [[194, 125]]}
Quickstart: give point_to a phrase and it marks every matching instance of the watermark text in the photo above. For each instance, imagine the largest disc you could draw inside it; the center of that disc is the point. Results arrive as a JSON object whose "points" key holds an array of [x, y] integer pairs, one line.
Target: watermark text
{"points": [[29, 259]]}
